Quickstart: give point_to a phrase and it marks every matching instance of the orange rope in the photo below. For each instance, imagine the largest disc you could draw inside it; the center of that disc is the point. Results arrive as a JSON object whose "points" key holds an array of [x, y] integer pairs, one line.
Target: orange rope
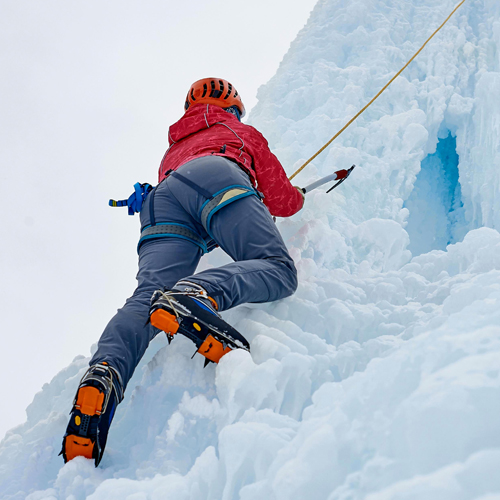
{"points": [[376, 97]]}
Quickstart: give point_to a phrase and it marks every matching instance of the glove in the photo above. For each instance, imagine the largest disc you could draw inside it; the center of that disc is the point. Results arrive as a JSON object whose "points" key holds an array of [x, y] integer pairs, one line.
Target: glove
{"points": [[135, 200]]}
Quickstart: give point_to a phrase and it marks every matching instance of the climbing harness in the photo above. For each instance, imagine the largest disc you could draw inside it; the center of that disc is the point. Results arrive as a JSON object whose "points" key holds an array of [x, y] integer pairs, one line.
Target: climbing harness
{"points": [[170, 229], [218, 200], [156, 230], [376, 97], [212, 205]]}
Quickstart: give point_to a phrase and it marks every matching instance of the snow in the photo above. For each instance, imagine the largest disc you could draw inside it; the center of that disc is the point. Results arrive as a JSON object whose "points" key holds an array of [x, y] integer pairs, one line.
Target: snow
{"points": [[380, 378]]}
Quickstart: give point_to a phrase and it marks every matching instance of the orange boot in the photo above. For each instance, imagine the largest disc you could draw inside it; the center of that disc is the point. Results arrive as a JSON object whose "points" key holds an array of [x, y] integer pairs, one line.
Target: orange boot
{"points": [[98, 395], [193, 314]]}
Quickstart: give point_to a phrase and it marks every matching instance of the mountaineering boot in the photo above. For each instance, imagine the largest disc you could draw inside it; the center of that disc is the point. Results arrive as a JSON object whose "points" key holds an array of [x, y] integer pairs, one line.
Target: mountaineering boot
{"points": [[94, 406], [189, 310]]}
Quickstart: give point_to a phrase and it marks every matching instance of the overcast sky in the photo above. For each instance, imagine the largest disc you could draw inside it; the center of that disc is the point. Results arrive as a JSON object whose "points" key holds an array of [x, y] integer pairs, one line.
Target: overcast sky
{"points": [[87, 92]]}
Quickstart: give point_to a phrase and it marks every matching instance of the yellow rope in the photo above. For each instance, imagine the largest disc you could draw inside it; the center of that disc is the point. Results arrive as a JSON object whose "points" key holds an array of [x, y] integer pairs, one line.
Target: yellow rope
{"points": [[376, 97]]}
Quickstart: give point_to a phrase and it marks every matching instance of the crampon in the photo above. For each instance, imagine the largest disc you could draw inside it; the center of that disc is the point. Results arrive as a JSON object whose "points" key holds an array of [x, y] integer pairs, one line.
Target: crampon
{"points": [[183, 312], [94, 406]]}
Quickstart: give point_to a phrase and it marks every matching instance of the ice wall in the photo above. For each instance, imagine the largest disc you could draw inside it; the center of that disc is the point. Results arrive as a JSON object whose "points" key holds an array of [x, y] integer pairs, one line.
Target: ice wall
{"points": [[380, 378], [346, 53]]}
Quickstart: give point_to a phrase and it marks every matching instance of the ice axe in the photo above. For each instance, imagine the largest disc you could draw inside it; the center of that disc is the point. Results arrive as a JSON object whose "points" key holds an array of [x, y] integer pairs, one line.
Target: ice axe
{"points": [[328, 178]]}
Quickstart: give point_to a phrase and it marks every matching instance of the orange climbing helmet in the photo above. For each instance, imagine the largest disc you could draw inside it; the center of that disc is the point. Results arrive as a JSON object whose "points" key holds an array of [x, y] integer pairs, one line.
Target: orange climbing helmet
{"points": [[214, 91]]}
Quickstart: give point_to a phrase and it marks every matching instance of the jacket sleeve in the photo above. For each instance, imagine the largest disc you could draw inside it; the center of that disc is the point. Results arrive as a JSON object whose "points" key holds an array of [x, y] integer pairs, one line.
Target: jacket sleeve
{"points": [[280, 196]]}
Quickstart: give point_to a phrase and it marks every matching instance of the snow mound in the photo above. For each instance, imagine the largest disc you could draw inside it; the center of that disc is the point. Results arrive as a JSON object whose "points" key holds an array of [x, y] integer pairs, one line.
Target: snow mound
{"points": [[380, 378]]}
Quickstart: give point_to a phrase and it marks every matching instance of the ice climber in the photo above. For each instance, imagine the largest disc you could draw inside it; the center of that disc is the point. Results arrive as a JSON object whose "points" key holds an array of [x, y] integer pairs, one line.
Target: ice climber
{"points": [[219, 184]]}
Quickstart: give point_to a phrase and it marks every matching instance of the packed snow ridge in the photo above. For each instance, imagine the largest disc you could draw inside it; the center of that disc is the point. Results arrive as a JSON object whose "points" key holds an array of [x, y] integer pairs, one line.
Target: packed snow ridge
{"points": [[380, 378]]}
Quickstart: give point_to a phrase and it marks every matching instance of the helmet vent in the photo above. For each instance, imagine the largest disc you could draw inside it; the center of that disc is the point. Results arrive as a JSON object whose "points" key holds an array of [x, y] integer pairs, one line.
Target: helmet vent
{"points": [[216, 93], [192, 95], [205, 89], [230, 87]]}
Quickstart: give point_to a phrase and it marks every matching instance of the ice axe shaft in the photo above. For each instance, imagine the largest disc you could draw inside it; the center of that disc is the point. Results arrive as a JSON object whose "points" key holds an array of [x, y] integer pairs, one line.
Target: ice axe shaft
{"points": [[327, 179]]}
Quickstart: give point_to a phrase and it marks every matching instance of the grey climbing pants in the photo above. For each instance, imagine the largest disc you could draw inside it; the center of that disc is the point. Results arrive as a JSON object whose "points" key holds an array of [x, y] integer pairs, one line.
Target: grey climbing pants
{"points": [[262, 270]]}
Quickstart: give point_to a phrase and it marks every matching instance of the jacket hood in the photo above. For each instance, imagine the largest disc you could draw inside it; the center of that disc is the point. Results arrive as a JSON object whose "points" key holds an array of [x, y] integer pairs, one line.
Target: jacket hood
{"points": [[196, 118]]}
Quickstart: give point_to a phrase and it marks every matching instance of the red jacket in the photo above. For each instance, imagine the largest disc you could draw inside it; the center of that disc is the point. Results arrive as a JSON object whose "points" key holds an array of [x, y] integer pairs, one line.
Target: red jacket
{"points": [[205, 130]]}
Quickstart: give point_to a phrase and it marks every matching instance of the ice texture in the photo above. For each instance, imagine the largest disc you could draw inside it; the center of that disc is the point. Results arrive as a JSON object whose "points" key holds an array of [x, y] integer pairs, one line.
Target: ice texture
{"points": [[380, 378]]}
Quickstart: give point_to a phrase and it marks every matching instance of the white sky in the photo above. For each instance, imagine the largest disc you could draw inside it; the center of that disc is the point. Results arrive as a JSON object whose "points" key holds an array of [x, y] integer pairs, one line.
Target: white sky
{"points": [[87, 92]]}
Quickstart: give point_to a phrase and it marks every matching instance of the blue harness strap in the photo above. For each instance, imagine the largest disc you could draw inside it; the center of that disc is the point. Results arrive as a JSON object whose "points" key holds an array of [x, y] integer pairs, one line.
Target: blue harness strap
{"points": [[217, 201], [220, 200], [171, 229], [191, 184], [152, 207]]}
